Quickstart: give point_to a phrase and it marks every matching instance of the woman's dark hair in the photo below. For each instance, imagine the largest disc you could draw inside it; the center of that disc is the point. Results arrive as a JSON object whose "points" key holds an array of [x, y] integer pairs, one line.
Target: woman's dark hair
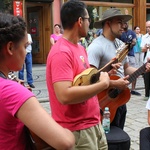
{"points": [[57, 25], [136, 27], [70, 12], [12, 28]]}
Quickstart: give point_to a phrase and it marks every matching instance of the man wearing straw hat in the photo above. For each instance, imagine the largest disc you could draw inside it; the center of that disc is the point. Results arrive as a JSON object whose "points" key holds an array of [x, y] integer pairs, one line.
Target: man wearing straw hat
{"points": [[103, 49]]}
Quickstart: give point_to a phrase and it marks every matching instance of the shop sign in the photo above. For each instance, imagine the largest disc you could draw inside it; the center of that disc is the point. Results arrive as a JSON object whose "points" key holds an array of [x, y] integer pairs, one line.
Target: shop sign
{"points": [[18, 8], [33, 30]]}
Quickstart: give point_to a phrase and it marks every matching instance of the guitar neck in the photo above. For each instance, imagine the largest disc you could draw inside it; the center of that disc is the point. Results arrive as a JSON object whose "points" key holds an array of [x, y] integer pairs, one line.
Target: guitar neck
{"points": [[106, 68], [138, 72]]}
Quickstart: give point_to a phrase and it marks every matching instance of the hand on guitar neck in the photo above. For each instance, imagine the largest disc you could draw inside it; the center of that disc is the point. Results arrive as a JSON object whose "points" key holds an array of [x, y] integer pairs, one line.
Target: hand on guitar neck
{"points": [[13, 77], [114, 69]]}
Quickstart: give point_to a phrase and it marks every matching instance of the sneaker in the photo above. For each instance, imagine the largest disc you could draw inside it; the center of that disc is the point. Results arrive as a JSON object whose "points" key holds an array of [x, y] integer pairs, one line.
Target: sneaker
{"points": [[146, 98], [135, 93], [31, 85]]}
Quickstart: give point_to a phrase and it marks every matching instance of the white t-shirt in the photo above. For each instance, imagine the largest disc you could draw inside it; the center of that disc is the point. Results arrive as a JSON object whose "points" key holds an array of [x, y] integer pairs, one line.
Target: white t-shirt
{"points": [[146, 40], [148, 104], [102, 50], [29, 47]]}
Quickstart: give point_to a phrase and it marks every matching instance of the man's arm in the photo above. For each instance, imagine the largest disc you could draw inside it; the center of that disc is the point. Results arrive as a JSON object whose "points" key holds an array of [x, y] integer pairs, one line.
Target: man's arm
{"points": [[145, 48], [144, 45], [29, 39], [32, 114]]}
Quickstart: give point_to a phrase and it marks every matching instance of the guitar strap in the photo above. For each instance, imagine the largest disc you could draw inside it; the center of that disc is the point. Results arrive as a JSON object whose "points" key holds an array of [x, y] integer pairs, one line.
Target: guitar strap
{"points": [[117, 43]]}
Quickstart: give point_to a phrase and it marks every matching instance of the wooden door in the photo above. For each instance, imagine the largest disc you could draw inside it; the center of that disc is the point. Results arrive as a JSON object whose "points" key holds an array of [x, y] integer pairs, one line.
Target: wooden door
{"points": [[35, 28]]}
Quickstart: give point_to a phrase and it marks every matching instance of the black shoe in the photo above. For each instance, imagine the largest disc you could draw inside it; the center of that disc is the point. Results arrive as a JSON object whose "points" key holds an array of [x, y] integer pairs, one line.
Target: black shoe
{"points": [[31, 85], [135, 93]]}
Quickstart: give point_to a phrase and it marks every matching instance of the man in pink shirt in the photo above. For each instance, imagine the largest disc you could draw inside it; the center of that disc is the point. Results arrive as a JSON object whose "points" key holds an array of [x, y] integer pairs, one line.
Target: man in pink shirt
{"points": [[75, 107]]}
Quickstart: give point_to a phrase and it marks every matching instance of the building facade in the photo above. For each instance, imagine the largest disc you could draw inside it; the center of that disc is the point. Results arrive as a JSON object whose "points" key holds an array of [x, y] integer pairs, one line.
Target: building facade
{"points": [[38, 15], [41, 15]]}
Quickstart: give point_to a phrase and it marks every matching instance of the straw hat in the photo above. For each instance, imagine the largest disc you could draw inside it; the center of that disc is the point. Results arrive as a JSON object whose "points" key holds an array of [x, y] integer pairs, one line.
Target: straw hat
{"points": [[111, 13]]}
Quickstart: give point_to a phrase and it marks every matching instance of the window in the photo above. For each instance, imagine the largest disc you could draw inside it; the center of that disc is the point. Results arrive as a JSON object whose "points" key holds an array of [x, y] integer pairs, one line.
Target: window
{"points": [[147, 14], [115, 1]]}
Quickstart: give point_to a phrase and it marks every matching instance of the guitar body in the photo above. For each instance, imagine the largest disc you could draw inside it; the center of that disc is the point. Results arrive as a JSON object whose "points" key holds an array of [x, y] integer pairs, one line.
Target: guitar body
{"points": [[85, 77], [38, 143], [113, 98]]}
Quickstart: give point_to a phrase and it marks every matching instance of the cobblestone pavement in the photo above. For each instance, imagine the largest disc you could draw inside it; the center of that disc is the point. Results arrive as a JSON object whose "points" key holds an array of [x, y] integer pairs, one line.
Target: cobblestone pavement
{"points": [[136, 119], [136, 111]]}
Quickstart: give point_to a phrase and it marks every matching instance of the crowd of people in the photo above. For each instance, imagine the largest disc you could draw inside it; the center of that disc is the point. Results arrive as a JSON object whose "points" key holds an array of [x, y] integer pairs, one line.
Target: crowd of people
{"points": [[75, 120]]}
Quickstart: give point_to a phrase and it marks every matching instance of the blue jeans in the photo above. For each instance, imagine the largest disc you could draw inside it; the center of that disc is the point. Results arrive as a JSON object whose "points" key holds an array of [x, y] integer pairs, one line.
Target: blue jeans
{"points": [[28, 63]]}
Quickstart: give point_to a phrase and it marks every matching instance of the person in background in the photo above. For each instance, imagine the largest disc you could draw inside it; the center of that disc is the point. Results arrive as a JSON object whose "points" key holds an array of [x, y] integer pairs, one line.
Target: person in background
{"points": [[28, 64], [103, 49], [75, 107], [139, 55], [87, 40], [145, 132], [145, 46], [127, 36], [56, 35], [99, 32], [18, 106]]}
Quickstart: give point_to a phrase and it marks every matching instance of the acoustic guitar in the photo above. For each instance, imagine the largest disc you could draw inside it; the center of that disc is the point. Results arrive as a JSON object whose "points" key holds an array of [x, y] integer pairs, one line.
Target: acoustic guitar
{"points": [[33, 140], [91, 75], [113, 97], [37, 143]]}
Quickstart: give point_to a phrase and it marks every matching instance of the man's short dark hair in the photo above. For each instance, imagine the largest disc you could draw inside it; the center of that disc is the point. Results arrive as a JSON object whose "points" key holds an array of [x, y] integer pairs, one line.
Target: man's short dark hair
{"points": [[70, 12]]}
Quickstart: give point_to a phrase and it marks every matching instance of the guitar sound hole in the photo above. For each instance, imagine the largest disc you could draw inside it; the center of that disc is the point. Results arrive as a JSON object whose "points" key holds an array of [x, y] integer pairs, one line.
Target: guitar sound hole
{"points": [[113, 93], [94, 79]]}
